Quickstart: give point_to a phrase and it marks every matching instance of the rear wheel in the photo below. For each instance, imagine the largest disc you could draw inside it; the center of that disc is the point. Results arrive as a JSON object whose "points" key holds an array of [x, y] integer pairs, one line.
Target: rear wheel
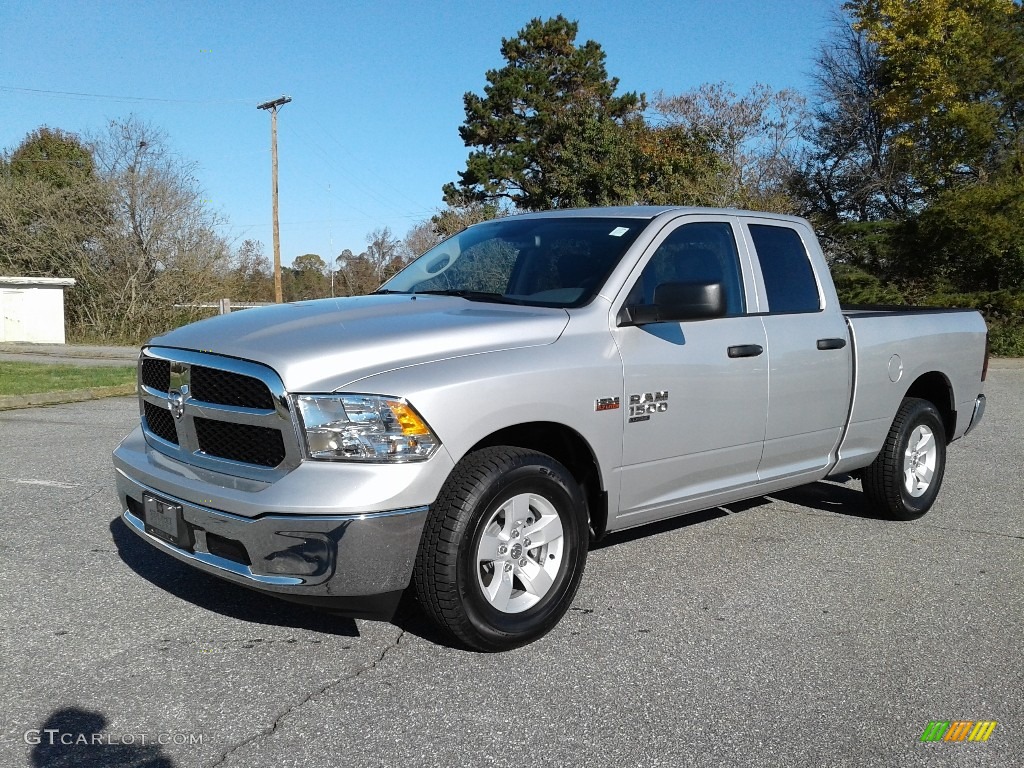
{"points": [[905, 478], [504, 548]]}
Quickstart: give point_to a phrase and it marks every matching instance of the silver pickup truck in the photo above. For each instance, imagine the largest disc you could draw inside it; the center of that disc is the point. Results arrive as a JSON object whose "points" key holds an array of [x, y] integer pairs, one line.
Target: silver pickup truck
{"points": [[529, 384]]}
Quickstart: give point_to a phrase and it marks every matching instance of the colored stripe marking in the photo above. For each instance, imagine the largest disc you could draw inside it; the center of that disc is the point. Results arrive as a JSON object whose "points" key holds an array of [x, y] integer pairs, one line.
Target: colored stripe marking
{"points": [[958, 730], [982, 730], [935, 730]]}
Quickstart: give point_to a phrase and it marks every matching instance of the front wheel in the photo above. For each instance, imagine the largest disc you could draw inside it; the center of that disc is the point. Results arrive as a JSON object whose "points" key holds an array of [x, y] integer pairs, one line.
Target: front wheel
{"points": [[503, 549], [905, 477]]}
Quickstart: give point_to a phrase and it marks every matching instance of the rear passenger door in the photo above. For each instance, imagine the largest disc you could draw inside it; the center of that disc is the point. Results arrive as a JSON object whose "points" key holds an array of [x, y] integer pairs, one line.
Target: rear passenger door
{"points": [[809, 355]]}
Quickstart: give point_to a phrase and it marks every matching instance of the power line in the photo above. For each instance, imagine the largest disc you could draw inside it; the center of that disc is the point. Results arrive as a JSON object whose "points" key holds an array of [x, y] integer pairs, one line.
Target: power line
{"points": [[352, 180], [332, 161], [344, 148], [108, 97], [332, 220]]}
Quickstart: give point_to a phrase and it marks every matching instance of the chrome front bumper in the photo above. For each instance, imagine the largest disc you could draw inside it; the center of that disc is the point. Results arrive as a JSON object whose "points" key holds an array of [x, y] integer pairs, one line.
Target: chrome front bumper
{"points": [[358, 565], [354, 563]]}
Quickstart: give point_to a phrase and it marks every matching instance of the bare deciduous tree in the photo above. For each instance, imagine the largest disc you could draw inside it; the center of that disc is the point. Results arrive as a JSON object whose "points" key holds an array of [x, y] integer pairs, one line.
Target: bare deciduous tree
{"points": [[460, 214], [356, 275], [251, 278], [160, 253], [384, 252], [420, 239], [755, 136], [856, 169]]}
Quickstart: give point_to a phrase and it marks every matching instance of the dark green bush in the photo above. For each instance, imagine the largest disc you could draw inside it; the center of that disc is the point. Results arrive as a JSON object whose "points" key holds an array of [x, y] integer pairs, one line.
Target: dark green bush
{"points": [[1003, 310]]}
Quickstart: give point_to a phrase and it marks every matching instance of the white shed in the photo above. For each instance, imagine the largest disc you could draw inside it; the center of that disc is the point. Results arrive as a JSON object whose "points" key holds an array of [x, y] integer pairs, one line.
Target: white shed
{"points": [[32, 309]]}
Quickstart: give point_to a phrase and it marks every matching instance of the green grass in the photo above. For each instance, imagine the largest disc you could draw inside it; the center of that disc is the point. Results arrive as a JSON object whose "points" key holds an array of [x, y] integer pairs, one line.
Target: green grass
{"points": [[34, 378]]}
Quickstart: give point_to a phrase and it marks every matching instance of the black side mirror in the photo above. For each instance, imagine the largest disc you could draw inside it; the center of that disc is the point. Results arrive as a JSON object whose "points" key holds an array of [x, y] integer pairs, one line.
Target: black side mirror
{"points": [[676, 302]]}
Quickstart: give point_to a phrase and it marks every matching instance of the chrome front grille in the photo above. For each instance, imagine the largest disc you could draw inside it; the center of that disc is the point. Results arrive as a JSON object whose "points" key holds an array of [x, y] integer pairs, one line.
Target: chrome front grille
{"points": [[229, 415]]}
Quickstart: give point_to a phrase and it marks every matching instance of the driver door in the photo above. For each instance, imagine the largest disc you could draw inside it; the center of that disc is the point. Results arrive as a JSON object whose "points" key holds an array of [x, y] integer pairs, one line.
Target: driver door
{"points": [[695, 392]]}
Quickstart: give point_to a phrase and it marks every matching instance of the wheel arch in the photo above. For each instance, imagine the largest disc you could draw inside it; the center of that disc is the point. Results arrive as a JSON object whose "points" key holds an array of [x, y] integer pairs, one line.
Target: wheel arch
{"points": [[568, 447], [936, 389]]}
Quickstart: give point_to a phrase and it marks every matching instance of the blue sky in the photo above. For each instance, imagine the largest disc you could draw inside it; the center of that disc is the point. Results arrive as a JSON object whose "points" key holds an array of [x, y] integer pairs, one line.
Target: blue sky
{"points": [[372, 132]]}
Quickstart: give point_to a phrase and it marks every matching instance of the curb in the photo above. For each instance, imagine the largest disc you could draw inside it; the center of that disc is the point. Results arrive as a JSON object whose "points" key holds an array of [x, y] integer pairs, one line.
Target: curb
{"points": [[85, 352], [10, 402], [75, 354]]}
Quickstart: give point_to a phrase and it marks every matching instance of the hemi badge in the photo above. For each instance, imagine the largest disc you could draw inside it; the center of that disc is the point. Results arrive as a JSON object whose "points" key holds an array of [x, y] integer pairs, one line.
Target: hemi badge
{"points": [[606, 404]]}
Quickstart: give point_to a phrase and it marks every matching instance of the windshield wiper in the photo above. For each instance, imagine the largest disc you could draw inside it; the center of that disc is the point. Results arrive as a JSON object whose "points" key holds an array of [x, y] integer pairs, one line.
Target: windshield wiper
{"points": [[497, 298], [382, 291]]}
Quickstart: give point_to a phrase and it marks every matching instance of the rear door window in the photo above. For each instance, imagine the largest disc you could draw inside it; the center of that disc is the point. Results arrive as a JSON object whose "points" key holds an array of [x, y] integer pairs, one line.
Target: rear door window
{"points": [[788, 276]]}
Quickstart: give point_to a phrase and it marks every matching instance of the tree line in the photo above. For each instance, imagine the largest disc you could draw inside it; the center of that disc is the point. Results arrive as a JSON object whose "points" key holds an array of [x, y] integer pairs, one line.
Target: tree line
{"points": [[120, 215], [907, 156], [128, 220]]}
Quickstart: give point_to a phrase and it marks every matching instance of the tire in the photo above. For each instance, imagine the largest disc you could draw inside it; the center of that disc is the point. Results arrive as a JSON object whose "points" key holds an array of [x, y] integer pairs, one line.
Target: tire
{"points": [[905, 477], [480, 573]]}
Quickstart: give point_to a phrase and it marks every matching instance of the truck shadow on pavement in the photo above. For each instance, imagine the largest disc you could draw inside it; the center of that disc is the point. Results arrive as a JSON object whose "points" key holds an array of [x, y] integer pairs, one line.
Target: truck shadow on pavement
{"points": [[219, 596], [825, 495], [666, 526], [832, 496], [225, 598], [410, 617], [222, 597]]}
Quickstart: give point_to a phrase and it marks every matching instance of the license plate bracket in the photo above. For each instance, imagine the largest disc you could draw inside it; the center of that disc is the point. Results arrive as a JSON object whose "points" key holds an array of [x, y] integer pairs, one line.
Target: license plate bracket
{"points": [[164, 520]]}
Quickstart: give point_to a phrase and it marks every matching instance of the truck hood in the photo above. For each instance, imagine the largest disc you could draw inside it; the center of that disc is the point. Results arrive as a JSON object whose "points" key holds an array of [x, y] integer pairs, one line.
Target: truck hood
{"points": [[321, 346]]}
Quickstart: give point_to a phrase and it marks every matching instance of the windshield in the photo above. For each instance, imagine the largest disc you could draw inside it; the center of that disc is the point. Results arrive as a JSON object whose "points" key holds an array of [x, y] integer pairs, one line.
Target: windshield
{"points": [[548, 262]]}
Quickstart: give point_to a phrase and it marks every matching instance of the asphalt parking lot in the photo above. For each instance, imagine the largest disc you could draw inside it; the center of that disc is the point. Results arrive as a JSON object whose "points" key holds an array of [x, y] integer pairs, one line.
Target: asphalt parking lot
{"points": [[793, 631]]}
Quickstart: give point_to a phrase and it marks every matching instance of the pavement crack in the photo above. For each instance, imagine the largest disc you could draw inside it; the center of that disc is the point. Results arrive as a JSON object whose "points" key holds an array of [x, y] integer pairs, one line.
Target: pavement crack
{"points": [[320, 691], [92, 495], [373, 664]]}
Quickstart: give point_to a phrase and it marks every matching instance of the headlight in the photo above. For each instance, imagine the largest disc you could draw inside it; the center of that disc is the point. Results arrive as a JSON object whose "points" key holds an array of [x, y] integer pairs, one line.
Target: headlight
{"points": [[364, 428]]}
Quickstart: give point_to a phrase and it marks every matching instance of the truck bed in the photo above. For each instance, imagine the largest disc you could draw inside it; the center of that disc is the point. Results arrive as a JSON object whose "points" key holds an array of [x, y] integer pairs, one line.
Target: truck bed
{"points": [[896, 349]]}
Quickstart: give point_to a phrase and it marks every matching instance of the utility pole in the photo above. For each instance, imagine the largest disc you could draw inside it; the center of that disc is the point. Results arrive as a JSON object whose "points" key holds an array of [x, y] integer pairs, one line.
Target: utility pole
{"points": [[273, 106]]}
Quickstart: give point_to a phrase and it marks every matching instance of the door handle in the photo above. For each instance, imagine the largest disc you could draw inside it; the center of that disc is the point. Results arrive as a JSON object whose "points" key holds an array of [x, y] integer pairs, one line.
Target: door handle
{"points": [[831, 343], [746, 350]]}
